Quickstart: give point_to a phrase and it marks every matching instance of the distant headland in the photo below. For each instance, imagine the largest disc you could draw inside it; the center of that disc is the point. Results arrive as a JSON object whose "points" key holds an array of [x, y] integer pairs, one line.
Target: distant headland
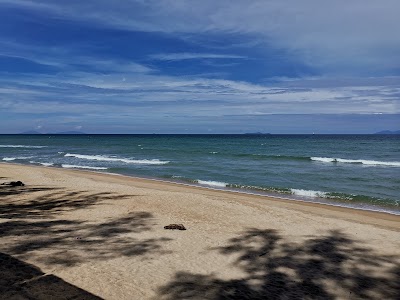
{"points": [[388, 132], [62, 132], [256, 133]]}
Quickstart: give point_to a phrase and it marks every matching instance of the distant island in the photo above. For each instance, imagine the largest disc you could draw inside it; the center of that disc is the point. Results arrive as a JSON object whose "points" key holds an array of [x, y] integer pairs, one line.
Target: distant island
{"points": [[30, 132], [69, 132], [62, 132], [388, 132], [256, 133]]}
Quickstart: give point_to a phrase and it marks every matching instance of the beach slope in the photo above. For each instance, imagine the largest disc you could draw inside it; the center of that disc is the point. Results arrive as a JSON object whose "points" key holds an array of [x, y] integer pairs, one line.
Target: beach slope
{"points": [[102, 236]]}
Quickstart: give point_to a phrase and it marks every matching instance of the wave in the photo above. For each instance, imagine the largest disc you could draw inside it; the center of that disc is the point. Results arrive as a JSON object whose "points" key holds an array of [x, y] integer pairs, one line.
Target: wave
{"points": [[9, 158], [308, 193], [322, 159], [356, 161], [42, 163], [212, 183], [260, 156], [296, 193], [114, 159], [82, 167], [21, 146], [16, 158], [259, 188]]}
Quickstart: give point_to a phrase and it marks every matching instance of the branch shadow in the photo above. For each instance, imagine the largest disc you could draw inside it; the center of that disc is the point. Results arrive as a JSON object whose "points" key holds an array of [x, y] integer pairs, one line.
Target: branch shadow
{"points": [[35, 222], [326, 267], [20, 280], [7, 191], [47, 205]]}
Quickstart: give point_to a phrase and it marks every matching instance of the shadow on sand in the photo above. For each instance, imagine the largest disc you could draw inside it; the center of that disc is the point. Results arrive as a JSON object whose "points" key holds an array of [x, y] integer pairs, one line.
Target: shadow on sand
{"points": [[329, 267], [34, 222]]}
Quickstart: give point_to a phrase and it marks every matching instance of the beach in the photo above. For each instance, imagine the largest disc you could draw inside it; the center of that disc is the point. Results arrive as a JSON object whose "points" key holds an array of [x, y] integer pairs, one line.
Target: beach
{"points": [[103, 236]]}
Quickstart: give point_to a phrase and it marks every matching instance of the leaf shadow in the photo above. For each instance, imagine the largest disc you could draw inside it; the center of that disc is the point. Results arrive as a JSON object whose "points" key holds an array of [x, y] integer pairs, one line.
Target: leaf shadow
{"points": [[36, 222], [327, 267]]}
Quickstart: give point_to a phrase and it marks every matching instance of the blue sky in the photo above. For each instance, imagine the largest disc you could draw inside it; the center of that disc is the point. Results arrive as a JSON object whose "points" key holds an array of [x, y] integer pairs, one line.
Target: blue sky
{"points": [[200, 66]]}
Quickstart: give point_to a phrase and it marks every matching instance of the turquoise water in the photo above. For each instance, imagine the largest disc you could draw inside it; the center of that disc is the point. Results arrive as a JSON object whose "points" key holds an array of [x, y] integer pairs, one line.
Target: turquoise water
{"points": [[360, 171]]}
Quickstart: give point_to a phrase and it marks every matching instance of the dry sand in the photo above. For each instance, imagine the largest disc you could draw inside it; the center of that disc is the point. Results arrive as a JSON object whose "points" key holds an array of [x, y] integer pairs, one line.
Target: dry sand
{"points": [[77, 235]]}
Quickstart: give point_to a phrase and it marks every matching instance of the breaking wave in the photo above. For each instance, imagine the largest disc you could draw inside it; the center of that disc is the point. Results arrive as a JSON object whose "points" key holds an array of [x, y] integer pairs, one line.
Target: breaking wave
{"points": [[322, 159], [357, 161], [82, 167], [304, 194], [42, 163], [211, 183], [16, 158], [22, 146], [115, 159], [308, 193]]}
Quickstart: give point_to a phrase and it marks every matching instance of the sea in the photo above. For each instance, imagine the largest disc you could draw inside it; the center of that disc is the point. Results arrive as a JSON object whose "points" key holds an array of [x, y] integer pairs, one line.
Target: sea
{"points": [[358, 171]]}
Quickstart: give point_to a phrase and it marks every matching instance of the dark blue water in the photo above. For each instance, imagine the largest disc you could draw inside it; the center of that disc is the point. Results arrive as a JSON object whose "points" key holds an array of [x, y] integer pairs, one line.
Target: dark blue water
{"points": [[352, 170]]}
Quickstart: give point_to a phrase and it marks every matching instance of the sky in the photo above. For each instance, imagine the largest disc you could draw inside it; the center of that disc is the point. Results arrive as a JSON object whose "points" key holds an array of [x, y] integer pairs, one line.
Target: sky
{"points": [[176, 66]]}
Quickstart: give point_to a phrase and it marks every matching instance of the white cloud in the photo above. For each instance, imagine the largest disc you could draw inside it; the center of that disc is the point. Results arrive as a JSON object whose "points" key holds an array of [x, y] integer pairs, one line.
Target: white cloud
{"points": [[340, 36], [156, 95], [186, 56]]}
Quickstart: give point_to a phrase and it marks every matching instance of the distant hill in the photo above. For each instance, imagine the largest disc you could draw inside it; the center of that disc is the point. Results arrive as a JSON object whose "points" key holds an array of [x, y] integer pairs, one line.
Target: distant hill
{"points": [[69, 132], [62, 132], [30, 132], [256, 133], [388, 132]]}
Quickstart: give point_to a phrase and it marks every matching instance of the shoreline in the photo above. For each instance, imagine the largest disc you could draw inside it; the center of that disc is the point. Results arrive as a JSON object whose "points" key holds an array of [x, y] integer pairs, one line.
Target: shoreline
{"points": [[271, 196], [303, 205]]}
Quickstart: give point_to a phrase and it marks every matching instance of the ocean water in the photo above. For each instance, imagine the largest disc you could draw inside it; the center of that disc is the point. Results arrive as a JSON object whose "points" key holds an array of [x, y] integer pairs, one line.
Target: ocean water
{"points": [[361, 171]]}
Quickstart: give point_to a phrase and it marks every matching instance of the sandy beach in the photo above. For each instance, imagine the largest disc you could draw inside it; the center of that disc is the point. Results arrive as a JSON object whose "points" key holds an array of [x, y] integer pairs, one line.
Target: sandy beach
{"points": [[81, 235]]}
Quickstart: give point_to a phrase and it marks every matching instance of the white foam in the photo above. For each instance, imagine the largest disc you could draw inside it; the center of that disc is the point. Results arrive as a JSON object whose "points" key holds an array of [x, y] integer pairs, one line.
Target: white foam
{"points": [[358, 161], [308, 193], [82, 167], [21, 146], [125, 160], [212, 183], [42, 163], [14, 158], [323, 159], [214, 152]]}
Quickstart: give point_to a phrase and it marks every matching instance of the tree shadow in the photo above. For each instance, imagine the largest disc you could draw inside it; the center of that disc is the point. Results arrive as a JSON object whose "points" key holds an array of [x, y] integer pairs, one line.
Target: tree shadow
{"points": [[19, 280], [36, 222], [7, 191], [50, 204], [326, 267]]}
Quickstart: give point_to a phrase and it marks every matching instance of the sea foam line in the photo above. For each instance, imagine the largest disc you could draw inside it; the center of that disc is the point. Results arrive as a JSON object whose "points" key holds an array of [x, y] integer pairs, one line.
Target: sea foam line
{"points": [[308, 193], [212, 183], [114, 159], [42, 163], [21, 146], [357, 161], [82, 167], [15, 158]]}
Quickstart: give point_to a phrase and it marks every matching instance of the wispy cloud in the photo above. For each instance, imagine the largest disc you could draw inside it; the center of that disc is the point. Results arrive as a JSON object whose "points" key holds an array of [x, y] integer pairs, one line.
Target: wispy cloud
{"points": [[339, 36], [128, 91], [186, 56]]}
